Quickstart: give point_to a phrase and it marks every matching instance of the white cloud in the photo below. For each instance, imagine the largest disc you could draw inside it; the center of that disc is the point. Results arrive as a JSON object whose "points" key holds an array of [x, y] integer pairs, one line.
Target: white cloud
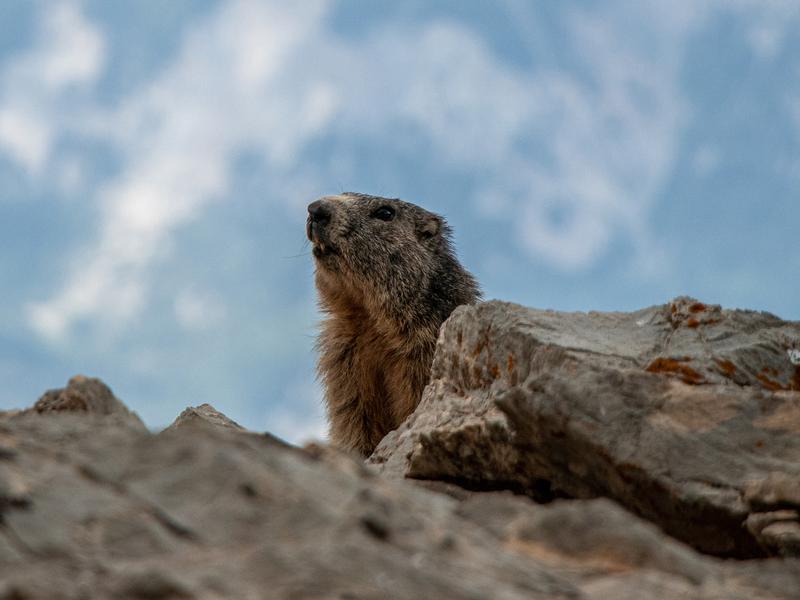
{"points": [[177, 138], [706, 159], [768, 23], [68, 52], [270, 77], [90, 293], [197, 311], [765, 40], [70, 174], [299, 418], [610, 132]]}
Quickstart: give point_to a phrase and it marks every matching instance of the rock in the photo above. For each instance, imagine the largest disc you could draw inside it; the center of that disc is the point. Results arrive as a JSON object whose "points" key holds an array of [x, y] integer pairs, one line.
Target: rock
{"points": [[95, 508], [687, 414], [83, 395], [205, 414], [209, 512], [609, 553], [591, 537]]}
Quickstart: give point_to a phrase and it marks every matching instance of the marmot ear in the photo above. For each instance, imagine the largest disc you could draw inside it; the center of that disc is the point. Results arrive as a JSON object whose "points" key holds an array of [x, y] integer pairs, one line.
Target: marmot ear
{"points": [[430, 227]]}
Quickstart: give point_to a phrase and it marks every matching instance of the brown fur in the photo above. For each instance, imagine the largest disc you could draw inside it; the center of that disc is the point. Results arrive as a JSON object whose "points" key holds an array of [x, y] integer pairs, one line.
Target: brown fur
{"points": [[386, 286]]}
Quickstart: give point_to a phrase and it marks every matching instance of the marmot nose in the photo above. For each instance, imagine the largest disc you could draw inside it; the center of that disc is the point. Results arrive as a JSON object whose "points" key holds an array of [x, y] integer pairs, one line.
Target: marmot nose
{"points": [[319, 212]]}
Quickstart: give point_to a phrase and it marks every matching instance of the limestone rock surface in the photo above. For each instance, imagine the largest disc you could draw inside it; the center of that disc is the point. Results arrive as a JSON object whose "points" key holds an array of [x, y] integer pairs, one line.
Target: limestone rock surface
{"points": [[92, 506], [94, 509], [86, 395], [686, 414], [203, 415]]}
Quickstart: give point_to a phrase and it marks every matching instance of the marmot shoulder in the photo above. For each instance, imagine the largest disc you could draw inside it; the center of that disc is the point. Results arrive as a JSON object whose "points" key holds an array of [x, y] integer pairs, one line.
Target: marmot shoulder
{"points": [[387, 278]]}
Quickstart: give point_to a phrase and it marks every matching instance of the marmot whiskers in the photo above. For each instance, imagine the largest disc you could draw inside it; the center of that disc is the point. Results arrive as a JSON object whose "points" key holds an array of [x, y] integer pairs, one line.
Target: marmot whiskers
{"points": [[387, 278]]}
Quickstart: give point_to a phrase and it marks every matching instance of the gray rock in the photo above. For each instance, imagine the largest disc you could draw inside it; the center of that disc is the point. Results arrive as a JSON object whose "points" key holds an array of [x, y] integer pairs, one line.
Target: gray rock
{"points": [[92, 507], [687, 414], [83, 395], [202, 415], [608, 553], [206, 416]]}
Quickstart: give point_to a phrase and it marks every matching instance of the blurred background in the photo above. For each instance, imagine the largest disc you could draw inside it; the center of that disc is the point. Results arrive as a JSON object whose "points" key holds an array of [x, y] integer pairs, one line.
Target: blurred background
{"points": [[156, 159]]}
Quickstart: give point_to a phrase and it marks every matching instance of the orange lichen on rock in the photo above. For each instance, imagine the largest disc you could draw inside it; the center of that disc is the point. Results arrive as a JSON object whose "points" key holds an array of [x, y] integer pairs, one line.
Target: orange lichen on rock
{"points": [[727, 367], [692, 323], [776, 386], [771, 384], [495, 371], [697, 307], [510, 364], [671, 366]]}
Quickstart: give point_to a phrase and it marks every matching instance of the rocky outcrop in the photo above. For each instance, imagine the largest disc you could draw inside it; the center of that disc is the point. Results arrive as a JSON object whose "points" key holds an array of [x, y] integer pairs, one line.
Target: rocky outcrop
{"points": [[204, 415], [86, 395], [652, 439], [686, 414], [94, 507], [610, 554]]}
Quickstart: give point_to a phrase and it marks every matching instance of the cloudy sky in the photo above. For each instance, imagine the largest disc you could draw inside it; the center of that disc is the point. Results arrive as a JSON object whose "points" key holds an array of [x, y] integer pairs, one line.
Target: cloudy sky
{"points": [[156, 159]]}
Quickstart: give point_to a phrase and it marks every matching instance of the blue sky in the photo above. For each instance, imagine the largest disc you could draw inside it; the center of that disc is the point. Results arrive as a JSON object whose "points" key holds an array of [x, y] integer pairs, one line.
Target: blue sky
{"points": [[156, 159]]}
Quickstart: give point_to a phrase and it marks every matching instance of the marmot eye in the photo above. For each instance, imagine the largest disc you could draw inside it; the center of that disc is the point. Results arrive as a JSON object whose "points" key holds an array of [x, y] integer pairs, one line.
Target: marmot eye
{"points": [[384, 213]]}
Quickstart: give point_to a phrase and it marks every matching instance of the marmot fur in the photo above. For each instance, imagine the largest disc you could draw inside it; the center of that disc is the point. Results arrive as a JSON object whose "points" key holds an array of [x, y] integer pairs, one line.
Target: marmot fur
{"points": [[387, 279]]}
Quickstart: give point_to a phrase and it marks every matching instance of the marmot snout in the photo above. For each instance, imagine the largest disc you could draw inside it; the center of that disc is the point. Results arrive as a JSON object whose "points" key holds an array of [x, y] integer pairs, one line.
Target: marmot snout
{"points": [[387, 279]]}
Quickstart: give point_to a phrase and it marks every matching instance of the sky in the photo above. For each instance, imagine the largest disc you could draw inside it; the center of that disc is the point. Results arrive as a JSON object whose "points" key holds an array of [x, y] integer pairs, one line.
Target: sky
{"points": [[156, 159]]}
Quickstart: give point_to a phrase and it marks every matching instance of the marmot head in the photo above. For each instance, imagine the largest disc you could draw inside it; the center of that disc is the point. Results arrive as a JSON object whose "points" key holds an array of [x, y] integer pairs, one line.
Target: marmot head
{"points": [[376, 246], [362, 233]]}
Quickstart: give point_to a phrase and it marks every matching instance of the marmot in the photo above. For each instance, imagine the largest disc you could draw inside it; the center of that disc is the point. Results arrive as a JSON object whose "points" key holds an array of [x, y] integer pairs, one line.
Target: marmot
{"points": [[387, 279]]}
